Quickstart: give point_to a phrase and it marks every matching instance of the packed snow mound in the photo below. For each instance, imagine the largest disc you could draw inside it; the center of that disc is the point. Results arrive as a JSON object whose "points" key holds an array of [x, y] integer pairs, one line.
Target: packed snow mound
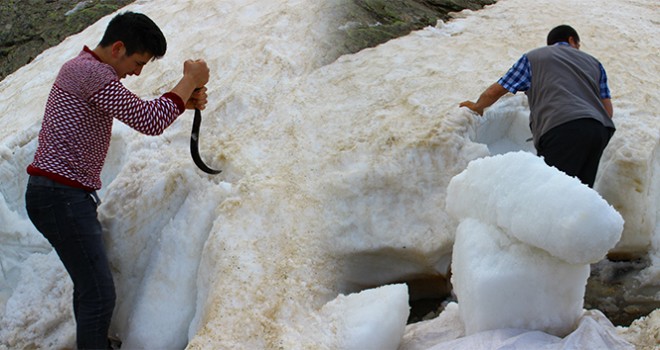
{"points": [[526, 236], [538, 205]]}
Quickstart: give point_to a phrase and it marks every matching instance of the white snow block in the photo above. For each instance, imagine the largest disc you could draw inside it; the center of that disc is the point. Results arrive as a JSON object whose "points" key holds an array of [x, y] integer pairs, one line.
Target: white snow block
{"points": [[374, 319], [536, 204], [501, 282], [527, 235]]}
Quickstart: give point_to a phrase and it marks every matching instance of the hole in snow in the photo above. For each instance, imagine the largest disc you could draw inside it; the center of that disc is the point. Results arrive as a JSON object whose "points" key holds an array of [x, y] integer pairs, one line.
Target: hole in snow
{"points": [[505, 126], [429, 294]]}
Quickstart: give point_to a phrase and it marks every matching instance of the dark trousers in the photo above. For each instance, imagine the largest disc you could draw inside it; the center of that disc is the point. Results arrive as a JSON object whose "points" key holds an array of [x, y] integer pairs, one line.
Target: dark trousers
{"points": [[576, 147], [66, 216]]}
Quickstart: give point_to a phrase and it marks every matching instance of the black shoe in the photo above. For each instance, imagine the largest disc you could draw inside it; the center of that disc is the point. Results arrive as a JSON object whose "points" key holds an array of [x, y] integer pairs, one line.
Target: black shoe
{"points": [[114, 343]]}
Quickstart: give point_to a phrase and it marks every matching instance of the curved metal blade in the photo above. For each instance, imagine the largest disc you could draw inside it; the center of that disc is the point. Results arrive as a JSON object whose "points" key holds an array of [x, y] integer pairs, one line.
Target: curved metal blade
{"points": [[194, 145]]}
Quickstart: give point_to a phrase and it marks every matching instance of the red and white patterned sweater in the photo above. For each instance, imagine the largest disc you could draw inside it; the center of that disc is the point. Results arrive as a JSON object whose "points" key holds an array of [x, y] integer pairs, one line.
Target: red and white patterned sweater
{"points": [[77, 125]]}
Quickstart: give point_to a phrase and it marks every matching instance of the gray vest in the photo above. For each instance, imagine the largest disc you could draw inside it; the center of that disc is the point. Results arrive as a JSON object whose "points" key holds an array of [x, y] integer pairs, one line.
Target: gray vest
{"points": [[565, 87]]}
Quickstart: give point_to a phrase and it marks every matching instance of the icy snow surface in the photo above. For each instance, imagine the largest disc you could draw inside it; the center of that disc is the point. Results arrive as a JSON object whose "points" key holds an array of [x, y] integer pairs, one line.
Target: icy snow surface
{"points": [[334, 175]]}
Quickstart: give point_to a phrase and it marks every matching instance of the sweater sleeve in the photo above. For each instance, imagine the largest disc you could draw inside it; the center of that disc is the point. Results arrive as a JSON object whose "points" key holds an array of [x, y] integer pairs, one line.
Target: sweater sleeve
{"points": [[148, 117], [176, 99]]}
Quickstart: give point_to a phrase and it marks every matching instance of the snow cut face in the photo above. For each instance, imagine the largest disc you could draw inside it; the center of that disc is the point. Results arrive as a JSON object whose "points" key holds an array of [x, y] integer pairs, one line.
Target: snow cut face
{"points": [[501, 283]]}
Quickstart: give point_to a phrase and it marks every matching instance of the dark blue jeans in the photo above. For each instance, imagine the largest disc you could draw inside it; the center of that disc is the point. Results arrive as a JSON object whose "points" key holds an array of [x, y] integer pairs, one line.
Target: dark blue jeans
{"points": [[66, 216]]}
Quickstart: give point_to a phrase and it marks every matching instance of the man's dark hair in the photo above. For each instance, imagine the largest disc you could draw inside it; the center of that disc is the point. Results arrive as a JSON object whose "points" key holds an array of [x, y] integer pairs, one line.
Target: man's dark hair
{"points": [[138, 33], [561, 34]]}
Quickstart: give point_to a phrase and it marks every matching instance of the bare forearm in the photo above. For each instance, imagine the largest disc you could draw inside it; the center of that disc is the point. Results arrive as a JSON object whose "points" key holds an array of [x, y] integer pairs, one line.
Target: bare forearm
{"points": [[491, 95], [607, 103], [486, 99], [184, 88]]}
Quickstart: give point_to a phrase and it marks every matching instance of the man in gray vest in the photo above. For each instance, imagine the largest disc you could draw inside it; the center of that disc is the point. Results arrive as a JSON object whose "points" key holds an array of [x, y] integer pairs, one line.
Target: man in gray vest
{"points": [[569, 100]]}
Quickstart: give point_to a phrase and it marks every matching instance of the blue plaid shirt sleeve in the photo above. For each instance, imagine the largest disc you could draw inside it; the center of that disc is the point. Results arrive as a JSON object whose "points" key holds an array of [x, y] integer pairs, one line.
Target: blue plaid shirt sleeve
{"points": [[604, 89], [519, 77]]}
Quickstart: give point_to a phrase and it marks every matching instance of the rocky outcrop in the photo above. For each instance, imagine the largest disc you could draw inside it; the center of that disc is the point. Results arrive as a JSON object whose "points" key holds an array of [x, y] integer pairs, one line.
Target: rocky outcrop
{"points": [[31, 26], [372, 22]]}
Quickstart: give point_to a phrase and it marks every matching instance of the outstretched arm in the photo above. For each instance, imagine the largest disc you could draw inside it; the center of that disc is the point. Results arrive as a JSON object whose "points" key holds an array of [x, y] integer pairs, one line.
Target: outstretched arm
{"points": [[487, 98]]}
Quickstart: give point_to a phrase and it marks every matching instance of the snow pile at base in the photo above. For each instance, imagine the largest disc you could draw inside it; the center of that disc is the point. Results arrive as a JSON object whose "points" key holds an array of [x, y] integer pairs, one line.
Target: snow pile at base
{"points": [[594, 332], [527, 235]]}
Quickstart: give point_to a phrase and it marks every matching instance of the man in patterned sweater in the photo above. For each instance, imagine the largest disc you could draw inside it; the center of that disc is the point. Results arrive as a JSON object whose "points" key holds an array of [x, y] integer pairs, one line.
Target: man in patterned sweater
{"points": [[569, 101], [61, 198]]}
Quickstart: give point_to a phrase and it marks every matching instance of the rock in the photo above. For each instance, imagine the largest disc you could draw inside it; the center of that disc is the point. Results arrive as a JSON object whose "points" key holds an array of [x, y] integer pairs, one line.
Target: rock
{"points": [[30, 27], [372, 22], [615, 287]]}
